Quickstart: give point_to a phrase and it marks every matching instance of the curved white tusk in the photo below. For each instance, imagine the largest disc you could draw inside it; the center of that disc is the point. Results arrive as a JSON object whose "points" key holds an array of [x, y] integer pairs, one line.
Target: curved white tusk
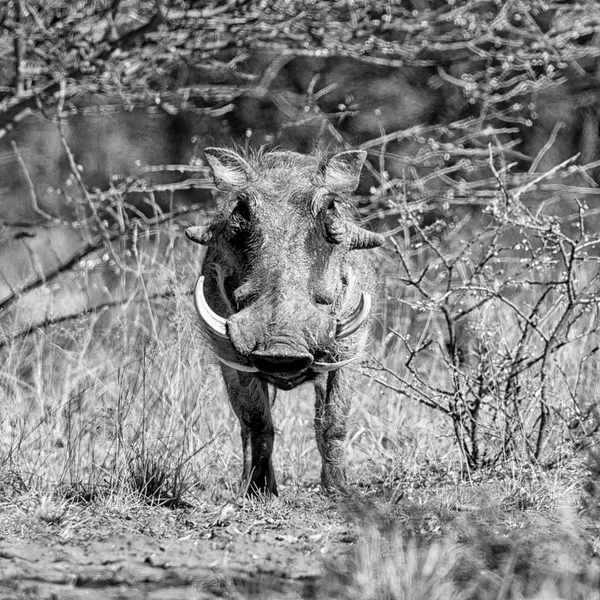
{"points": [[322, 367], [214, 323], [237, 366], [351, 323]]}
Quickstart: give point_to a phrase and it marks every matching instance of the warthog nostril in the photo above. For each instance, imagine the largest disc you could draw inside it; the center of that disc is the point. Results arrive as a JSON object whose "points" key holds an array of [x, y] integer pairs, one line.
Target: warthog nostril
{"points": [[269, 362]]}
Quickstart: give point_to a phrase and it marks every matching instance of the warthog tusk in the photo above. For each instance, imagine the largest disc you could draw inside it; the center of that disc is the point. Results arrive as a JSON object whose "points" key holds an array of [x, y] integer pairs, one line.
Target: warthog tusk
{"points": [[321, 367], [238, 366], [351, 323], [214, 323]]}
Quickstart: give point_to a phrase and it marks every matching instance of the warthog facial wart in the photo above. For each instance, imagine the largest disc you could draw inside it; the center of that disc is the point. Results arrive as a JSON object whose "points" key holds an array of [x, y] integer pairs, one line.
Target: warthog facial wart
{"points": [[283, 297]]}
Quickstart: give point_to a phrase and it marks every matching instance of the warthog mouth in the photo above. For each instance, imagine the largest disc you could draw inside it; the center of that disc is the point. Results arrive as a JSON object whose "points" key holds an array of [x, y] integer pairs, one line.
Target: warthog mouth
{"points": [[289, 383], [282, 370]]}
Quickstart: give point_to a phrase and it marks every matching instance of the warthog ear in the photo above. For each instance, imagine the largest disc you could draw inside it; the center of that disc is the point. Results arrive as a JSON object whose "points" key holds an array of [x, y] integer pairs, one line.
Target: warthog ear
{"points": [[342, 171], [230, 171]]}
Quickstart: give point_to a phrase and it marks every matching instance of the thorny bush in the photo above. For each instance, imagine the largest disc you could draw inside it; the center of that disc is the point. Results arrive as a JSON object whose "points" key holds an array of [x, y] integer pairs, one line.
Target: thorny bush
{"points": [[506, 311]]}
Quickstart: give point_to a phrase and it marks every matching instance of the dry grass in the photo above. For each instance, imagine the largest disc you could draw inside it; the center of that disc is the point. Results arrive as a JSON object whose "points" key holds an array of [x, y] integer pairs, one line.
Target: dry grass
{"points": [[120, 420]]}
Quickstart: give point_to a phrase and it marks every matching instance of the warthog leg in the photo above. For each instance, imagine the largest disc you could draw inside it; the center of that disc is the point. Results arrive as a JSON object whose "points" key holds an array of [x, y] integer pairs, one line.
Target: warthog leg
{"points": [[333, 400], [251, 403]]}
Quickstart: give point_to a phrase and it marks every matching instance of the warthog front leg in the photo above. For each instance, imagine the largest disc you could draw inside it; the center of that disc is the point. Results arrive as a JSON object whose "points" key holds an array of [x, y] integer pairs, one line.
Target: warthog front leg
{"points": [[333, 399], [251, 403]]}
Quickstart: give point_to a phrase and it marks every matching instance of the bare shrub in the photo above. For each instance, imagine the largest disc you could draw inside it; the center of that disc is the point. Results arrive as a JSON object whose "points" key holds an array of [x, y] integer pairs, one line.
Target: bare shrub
{"points": [[499, 325]]}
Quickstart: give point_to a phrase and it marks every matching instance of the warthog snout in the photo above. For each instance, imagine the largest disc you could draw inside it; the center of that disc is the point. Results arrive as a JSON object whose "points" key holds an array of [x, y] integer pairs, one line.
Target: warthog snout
{"points": [[281, 359], [245, 334]]}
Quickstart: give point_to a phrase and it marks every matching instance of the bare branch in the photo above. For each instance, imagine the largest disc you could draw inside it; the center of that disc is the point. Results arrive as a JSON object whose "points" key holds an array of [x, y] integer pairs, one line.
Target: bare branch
{"points": [[50, 322]]}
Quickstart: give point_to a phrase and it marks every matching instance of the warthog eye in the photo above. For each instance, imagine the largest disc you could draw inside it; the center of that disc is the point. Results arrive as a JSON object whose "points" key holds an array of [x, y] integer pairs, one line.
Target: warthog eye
{"points": [[242, 209], [331, 202], [240, 217]]}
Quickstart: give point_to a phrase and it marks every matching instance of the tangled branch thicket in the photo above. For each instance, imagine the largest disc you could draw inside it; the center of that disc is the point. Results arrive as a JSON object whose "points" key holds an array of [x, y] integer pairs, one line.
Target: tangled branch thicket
{"points": [[481, 123], [508, 317]]}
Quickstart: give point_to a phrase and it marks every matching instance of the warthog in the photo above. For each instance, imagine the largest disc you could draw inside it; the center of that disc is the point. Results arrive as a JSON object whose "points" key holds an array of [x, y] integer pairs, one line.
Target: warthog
{"points": [[283, 296]]}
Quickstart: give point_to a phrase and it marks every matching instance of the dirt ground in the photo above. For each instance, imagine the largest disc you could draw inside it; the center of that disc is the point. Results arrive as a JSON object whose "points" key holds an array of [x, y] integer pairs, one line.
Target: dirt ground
{"points": [[267, 549], [301, 545], [139, 566]]}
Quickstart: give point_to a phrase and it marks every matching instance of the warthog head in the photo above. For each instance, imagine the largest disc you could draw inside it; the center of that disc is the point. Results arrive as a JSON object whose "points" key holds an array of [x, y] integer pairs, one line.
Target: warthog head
{"points": [[280, 294]]}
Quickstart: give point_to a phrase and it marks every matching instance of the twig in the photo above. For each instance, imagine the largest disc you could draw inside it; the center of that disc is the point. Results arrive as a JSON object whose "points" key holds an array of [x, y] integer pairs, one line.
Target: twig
{"points": [[32, 193], [551, 140], [547, 175]]}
